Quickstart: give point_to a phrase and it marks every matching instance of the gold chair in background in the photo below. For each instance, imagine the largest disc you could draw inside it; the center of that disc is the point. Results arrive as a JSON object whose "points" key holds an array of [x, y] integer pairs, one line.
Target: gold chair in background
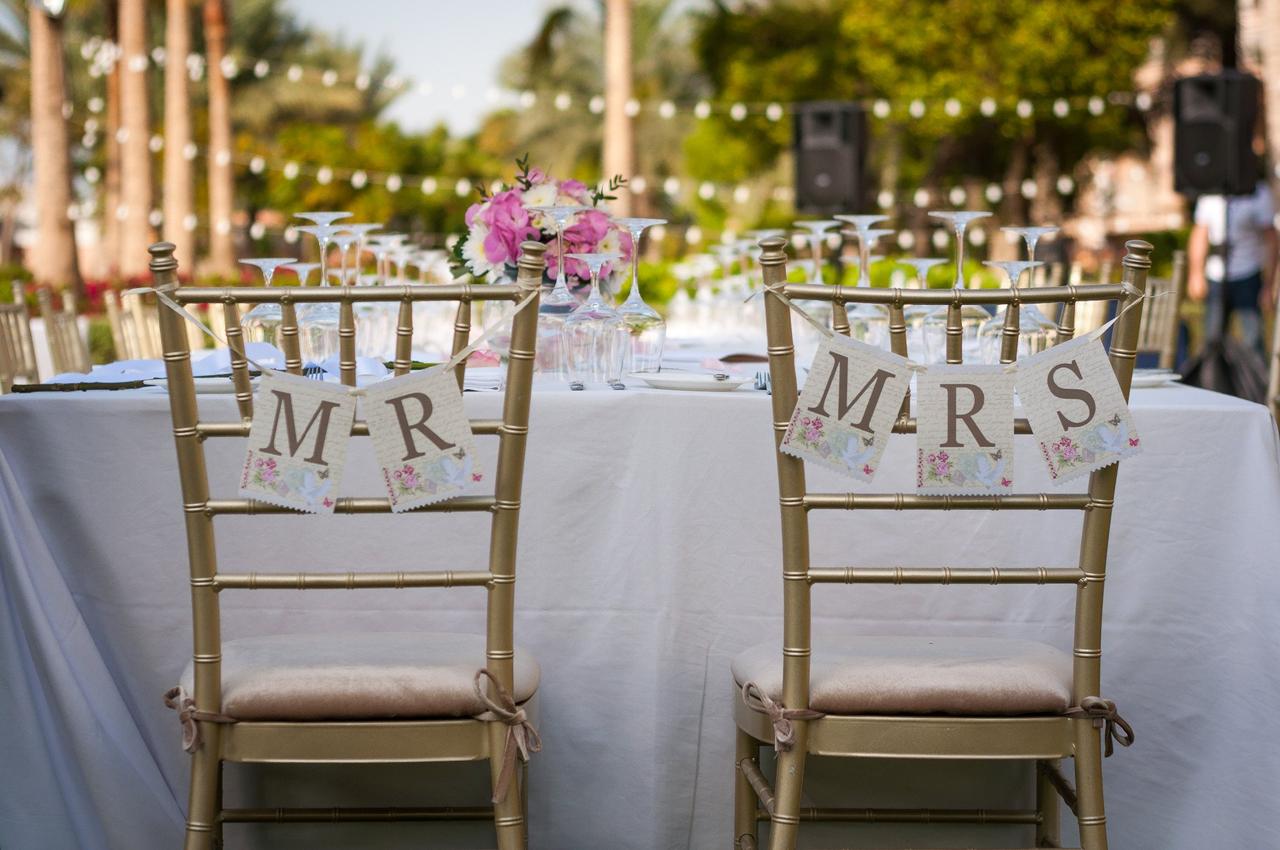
{"points": [[1159, 332], [135, 327], [235, 712], [881, 698], [67, 347], [17, 350]]}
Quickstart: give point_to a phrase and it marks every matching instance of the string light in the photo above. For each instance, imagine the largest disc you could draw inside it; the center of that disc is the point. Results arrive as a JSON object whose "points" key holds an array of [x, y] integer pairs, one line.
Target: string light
{"points": [[988, 106], [952, 107], [667, 109], [773, 112]]}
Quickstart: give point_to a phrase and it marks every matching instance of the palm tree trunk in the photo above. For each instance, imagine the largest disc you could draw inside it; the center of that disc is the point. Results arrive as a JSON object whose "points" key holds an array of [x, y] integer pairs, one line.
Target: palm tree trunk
{"points": [[53, 257], [109, 256], [178, 187], [619, 148], [135, 155], [222, 259]]}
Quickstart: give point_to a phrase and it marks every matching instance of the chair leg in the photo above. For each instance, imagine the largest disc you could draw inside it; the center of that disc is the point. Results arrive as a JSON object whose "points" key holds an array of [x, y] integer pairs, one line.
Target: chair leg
{"points": [[508, 815], [218, 842], [1091, 814], [744, 798], [1048, 830], [788, 786], [202, 805]]}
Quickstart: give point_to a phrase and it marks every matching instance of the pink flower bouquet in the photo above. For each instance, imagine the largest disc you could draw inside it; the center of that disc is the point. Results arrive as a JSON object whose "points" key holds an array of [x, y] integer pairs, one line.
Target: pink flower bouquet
{"points": [[499, 222]]}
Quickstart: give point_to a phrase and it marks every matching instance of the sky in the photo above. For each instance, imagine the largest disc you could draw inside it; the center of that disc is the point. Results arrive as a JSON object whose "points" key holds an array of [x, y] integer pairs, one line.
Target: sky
{"points": [[454, 47]]}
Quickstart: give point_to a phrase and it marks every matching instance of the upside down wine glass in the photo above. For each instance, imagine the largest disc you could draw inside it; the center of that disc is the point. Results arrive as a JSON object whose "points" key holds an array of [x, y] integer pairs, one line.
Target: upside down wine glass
{"points": [[817, 233], [1035, 332], [869, 322], [556, 305], [262, 323], [594, 336], [971, 315], [646, 329], [318, 323], [915, 314]]}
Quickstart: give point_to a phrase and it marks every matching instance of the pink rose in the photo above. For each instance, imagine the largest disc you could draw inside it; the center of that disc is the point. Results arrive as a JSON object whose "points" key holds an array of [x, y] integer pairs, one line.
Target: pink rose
{"points": [[575, 189]]}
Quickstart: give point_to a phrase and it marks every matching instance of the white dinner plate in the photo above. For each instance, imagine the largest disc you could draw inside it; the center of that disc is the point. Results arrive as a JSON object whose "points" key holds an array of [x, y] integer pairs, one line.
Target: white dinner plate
{"points": [[1149, 378], [690, 381], [211, 385]]}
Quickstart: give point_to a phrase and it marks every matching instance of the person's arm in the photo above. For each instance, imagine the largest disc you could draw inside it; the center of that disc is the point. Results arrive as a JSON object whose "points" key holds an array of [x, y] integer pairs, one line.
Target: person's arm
{"points": [[1269, 268], [1197, 254]]}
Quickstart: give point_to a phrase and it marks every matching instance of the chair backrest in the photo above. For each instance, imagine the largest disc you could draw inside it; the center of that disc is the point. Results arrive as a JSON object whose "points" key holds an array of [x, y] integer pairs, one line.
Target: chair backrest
{"points": [[135, 327], [796, 502], [67, 348], [1159, 332], [17, 350], [190, 432]]}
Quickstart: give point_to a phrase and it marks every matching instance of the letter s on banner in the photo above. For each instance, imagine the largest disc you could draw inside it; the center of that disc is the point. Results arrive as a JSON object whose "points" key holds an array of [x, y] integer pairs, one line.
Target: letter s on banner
{"points": [[422, 438], [1076, 409], [297, 443], [866, 386]]}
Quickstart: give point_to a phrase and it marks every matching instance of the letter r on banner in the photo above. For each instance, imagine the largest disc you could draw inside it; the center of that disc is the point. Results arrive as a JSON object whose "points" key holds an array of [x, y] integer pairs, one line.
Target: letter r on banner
{"points": [[964, 430]]}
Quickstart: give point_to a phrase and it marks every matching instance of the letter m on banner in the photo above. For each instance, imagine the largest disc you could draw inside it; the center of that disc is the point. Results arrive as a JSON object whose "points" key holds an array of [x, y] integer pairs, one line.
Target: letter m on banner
{"points": [[297, 442], [847, 407]]}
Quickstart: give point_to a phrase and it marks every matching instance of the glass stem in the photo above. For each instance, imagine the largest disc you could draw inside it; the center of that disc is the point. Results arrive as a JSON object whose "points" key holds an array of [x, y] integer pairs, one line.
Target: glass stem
{"points": [[817, 258], [634, 294], [864, 260], [562, 279], [959, 256]]}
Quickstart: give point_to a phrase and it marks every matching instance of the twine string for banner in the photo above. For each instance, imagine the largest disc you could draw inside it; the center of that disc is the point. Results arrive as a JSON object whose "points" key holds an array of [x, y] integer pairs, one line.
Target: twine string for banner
{"points": [[521, 739], [161, 292]]}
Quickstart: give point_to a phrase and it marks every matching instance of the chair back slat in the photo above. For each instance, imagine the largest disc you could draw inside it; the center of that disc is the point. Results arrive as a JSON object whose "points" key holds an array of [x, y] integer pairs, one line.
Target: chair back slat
{"points": [[795, 502], [1009, 332], [239, 365], [462, 334], [289, 342], [404, 338], [1159, 332], [67, 348], [17, 348], [840, 317], [347, 343], [955, 333], [1067, 325], [898, 345], [201, 510]]}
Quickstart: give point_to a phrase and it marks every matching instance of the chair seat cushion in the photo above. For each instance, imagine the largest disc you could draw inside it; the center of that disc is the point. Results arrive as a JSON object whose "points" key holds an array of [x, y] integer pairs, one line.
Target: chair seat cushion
{"points": [[362, 676], [919, 675]]}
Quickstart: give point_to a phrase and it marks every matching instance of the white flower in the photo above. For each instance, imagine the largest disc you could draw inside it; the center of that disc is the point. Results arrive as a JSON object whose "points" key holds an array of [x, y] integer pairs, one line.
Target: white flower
{"points": [[473, 251], [543, 195]]}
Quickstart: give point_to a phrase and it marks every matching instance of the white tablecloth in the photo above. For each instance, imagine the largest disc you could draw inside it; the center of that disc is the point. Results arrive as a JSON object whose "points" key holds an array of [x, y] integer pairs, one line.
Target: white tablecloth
{"points": [[649, 556]]}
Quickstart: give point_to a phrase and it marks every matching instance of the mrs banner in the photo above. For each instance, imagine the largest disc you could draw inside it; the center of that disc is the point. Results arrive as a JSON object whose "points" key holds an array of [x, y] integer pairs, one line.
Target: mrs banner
{"points": [[847, 406], [965, 415]]}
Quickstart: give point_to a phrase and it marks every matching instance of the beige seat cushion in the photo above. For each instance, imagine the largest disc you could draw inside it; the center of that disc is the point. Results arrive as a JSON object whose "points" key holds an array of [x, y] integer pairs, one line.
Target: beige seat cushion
{"points": [[364, 676], [916, 675]]}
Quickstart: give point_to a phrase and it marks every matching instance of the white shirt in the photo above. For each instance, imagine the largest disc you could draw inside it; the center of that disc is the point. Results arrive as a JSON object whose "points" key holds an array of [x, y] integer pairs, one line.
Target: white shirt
{"points": [[1250, 216]]}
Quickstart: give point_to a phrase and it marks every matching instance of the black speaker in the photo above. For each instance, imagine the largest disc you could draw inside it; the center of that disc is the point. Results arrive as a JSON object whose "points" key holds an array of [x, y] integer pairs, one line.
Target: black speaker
{"points": [[1214, 117], [830, 151]]}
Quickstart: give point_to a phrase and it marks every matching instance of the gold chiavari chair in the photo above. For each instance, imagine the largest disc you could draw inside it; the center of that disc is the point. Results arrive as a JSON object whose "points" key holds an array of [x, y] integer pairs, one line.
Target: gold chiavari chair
{"points": [[67, 348], [451, 714], [135, 328], [877, 698], [17, 349], [1159, 332]]}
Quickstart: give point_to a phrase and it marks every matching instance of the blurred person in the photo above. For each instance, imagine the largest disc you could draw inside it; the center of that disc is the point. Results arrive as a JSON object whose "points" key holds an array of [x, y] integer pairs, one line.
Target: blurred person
{"points": [[1242, 283]]}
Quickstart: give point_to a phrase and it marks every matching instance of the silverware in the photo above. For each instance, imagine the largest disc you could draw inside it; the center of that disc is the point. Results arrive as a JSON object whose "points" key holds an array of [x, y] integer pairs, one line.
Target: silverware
{"points": [[617, 385], [576, 385], [315, 373], [721, 376]]}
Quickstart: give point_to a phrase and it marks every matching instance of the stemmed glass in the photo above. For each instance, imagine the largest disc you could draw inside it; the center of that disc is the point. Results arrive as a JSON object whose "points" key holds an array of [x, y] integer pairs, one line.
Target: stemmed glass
{"points": [[344, 240], [971, 315], [324, 234], [1035, 332], [644, 325], [817, 231], [322, 217], [914, 314], [362, 231], [556, 305], [594, 337], [868, 322], [262, 323], [302, 270]]}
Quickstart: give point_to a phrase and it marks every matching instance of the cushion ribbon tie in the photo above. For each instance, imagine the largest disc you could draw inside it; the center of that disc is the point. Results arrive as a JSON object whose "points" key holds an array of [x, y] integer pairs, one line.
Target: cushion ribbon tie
{"points": [[188, 715], [784, 730], [1104, 716], [522, 738]]}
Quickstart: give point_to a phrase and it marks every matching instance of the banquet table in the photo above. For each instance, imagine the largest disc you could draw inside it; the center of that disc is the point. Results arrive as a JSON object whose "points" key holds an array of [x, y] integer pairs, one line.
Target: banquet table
{"points": [[649, 556]]}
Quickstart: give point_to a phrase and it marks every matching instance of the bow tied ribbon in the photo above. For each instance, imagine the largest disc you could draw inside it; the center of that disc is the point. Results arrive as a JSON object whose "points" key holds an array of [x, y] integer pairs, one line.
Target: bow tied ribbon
{"points": [[784, 729], [521, 739], [190, 717], [1104, 716]]}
